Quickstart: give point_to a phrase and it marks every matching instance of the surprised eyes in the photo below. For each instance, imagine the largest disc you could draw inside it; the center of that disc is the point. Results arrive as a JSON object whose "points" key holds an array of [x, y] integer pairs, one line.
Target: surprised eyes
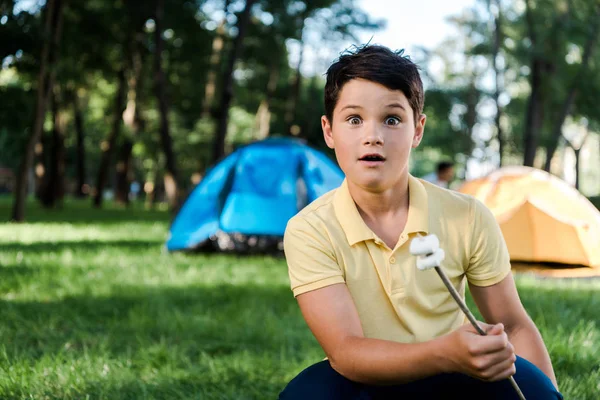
{"points": [[354, 120], [390, 120]]}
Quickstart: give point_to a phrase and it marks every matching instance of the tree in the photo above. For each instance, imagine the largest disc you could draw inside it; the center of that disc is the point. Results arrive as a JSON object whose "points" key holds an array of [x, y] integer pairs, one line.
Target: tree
{"points": [[133, 119], [53, 187], [218, 45], [51, 38], [535, 111], [107, 146], [79, 130], [496, 11], [227, 91], [589, 49], [577, 150], [160, 81]]}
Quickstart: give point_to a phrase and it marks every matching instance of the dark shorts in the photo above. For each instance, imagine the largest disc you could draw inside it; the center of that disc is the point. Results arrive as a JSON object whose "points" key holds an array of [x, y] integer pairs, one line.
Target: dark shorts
{"points": [[321, 382]]}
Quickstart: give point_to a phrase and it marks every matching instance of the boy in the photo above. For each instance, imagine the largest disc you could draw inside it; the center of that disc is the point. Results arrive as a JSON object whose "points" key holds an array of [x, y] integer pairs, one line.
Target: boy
{"points": [[388, 330]]}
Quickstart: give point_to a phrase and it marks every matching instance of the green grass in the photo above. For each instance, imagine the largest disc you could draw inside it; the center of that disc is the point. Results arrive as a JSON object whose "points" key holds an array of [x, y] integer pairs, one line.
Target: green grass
{"points": [[92, 307]]}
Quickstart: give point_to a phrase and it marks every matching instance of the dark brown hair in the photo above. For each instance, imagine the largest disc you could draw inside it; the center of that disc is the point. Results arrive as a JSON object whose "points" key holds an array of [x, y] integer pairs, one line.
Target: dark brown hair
{"points": [[444, 165], [379, 64]]}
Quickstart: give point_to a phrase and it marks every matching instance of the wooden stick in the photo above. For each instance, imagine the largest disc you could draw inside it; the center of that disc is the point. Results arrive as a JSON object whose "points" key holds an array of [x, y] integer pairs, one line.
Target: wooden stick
{"points": [[471, 319]]}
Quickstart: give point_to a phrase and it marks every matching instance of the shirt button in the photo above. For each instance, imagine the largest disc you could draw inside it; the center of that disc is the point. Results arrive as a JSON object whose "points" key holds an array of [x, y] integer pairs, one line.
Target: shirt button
{"points": [[392, 260]]}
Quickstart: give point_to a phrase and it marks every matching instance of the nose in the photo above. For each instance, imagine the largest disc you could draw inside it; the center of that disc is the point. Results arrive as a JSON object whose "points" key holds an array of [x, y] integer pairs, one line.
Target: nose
{"points": [[373, 137]]}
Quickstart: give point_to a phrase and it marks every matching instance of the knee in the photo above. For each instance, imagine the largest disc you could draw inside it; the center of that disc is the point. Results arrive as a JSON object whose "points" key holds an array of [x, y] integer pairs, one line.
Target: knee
{"points": [[533, 382], [320, 382]]}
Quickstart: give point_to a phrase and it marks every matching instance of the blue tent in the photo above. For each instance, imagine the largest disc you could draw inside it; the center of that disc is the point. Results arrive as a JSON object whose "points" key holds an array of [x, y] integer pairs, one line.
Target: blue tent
{"points": [[254, 191]]}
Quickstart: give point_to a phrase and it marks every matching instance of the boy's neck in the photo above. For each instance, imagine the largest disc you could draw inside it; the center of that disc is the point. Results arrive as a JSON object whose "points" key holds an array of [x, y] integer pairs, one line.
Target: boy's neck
{"points": [[385, 213]]}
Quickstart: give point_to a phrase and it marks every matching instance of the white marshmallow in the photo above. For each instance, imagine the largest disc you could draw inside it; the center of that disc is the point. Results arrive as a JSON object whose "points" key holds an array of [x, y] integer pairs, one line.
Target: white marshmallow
{"points": [[421, 246], [431, 261]]}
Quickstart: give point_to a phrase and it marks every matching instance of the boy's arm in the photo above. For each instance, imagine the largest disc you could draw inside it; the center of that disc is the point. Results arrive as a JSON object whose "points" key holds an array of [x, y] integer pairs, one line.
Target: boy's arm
{"points": [[333, 319], [494, 291], [500, 303]]}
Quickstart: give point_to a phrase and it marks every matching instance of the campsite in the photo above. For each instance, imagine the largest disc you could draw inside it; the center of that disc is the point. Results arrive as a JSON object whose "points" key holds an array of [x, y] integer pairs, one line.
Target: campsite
{"points": [[90, 308], [170, 184]]}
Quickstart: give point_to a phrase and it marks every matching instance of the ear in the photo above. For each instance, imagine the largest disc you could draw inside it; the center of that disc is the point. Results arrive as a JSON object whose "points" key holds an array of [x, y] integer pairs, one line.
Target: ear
{"points": [[419, 129], [327, 131]]}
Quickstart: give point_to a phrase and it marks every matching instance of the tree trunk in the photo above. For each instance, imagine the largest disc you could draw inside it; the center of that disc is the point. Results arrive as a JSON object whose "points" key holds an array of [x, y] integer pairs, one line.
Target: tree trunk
{"points": [[123, 181], [577, 151], [58, 161], [52, 32], [498, 80], [134, 121], [227, 94], [535, 112], [535, 115], [80, 166], [151, 189], [53, 190], [215, 62], [292, 103], [161, 95], [471, 103], [108, 145], [45, 166], [263, 115], [588, 51], [42, 151]]}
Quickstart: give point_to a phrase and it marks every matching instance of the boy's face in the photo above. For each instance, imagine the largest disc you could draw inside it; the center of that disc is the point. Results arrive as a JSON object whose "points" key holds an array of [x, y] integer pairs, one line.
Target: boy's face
{"points": [[372, 132]]}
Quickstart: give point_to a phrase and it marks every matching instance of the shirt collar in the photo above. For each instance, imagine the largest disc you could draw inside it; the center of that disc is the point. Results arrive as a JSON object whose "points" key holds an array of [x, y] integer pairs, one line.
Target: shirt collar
{"points": [[354, 226]]}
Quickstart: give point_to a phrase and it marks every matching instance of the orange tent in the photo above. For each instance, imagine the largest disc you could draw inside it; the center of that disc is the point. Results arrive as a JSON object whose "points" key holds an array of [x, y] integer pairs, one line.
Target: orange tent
{"points": [[543, 219]]}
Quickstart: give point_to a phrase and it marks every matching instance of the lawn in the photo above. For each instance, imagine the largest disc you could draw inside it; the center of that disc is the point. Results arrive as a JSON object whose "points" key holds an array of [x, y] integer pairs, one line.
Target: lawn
{"points": [[92, 307]]}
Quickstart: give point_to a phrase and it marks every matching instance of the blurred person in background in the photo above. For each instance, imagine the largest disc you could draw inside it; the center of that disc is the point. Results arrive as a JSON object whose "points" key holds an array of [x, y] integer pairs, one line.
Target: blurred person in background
{"points": [[443, 174]]}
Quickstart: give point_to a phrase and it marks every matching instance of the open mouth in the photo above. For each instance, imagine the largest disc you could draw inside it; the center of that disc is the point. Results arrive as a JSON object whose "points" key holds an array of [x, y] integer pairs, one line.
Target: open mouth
{"points": [[372, 158]]}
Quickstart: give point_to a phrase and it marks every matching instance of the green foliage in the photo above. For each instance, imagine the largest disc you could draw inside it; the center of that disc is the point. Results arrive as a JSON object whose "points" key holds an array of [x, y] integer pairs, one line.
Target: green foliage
{"points": [[560, 32], [92, 307], [450, 138], [16, 111], [99, 37]]}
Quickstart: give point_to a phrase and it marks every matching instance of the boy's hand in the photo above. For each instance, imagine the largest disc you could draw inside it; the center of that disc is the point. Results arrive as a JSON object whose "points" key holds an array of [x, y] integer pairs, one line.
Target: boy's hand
{"points": [[489, 358]]}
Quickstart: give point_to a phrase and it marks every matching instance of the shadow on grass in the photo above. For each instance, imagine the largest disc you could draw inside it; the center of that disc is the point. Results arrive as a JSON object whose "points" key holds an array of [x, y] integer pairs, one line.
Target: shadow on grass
{"points": [[239, 387], [213, 320], [78, 212], [81, 246], [214, 337], [219, 319]]}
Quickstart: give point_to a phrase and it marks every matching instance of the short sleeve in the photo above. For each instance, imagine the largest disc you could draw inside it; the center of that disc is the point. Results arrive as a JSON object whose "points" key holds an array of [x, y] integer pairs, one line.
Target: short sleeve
{"points": [[489, 262], [311, 261]]}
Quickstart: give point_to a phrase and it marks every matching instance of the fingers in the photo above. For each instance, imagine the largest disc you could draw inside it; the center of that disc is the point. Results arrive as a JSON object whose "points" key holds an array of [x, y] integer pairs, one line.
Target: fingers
{"points": [[500, 370], [495, 366], [497, 329], [488, 344], [486, 361], [489, 358], [487, 328]]}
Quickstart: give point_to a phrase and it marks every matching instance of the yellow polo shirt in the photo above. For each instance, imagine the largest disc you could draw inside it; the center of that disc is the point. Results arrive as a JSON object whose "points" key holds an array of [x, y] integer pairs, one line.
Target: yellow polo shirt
{"points": [[328, 242]]}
